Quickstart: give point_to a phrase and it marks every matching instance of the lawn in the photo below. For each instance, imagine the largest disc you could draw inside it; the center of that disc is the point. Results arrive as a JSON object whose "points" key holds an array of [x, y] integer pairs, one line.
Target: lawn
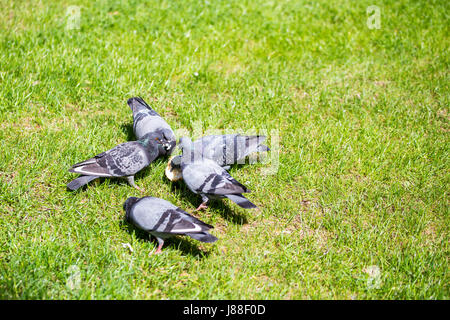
{"points": [[353, 198]]}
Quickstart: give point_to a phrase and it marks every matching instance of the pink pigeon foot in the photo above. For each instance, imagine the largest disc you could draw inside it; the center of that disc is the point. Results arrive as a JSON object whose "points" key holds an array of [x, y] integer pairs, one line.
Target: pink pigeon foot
{"points": [[158, 250], [201, 207]]}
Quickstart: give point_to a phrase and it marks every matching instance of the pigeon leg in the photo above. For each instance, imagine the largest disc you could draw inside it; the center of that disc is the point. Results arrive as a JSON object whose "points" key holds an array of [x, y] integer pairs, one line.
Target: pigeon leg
{"points": [[158, 250], [160, 244], [130, 180], [202, 206]]}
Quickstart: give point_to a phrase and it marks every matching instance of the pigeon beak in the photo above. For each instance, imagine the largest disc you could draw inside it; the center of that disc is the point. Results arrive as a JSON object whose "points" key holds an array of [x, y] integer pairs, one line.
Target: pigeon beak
{"points": [[167, 146]]}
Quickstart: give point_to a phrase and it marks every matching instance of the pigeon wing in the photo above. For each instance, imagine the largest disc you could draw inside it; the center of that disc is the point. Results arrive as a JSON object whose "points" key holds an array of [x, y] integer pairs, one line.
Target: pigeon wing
{"points": [[123, 160], [228, 149], [167, 221], [202, 178]]}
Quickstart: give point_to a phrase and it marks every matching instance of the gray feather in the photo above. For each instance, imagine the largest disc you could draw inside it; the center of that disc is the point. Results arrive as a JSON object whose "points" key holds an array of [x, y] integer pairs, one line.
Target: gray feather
{"points": [[203, 237], [80, 181], [124, 160], [146, 120], [229, 149], [241, 201], [205, 177], [163, 219]]}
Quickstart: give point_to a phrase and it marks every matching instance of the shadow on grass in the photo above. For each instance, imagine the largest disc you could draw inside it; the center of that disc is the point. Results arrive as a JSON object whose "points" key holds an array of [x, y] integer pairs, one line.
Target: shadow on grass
{"points": [[226, 212], [127, 128], [176, 242]]}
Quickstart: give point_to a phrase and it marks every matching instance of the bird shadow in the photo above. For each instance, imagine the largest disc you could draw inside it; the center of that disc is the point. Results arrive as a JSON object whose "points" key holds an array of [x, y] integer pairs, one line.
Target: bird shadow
{"points": [[179, 187], [127, 128], [151, 167], [175, 242]]}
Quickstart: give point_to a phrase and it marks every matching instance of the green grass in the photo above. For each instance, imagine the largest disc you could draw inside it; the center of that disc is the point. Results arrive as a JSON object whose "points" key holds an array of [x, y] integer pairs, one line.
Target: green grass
{"points": [[363, 120]]}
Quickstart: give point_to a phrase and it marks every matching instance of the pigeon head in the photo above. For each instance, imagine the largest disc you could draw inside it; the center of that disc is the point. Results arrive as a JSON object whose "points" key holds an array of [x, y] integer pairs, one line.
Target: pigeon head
{"points": [[185, 143], [156, 137], [173, 169], [190, 153], [127, 206], [170, 139]]}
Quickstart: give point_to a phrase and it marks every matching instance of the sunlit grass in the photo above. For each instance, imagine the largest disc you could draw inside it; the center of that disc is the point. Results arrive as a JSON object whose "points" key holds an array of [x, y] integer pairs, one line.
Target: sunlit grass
{"points": [[363, 120]]}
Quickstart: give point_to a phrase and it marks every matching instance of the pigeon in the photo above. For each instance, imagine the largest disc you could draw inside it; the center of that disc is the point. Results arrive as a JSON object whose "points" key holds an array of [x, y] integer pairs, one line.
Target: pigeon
{"points": [[146, 120], [205, 177], [229, 148], [223, 149], [163, 220], [124, 160]]}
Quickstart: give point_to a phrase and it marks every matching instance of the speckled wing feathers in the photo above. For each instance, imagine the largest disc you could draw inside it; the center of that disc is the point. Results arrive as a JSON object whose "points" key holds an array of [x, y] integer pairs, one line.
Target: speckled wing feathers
{"points": [[123, 160]]}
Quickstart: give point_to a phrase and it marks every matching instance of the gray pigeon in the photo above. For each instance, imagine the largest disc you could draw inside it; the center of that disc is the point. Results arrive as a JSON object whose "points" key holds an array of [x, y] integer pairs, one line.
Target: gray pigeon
{"points": [[124, 160], [163, 220], [146, 120], [223, 149], [205, 177], [229, 149]]}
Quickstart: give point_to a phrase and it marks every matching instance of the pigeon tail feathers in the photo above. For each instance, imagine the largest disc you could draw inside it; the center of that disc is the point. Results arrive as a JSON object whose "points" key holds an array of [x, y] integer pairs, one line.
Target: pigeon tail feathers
{"points": [[203, 237], [241, 201], [80, 181], [137, 103]]}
